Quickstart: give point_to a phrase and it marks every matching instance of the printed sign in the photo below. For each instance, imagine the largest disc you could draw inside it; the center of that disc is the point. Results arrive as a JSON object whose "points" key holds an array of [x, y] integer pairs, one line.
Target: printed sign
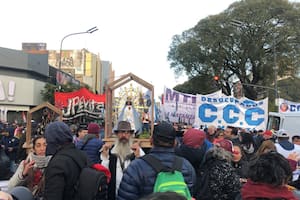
{"points": [[286, 106], [80, 103], [180, 107], [226, 110]]}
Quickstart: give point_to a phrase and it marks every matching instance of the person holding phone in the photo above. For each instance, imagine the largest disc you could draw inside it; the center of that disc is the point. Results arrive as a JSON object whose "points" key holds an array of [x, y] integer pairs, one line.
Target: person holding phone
{"points": [[30, 170]]}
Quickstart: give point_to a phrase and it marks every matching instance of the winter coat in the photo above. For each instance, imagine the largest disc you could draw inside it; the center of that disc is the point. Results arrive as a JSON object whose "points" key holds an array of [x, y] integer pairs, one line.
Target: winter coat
{"points": [[63, 172], [241, 167], [91, 148], [252, 191], [139, 178], [194, 155], [10, 141], [218, 181], [33, 178]]}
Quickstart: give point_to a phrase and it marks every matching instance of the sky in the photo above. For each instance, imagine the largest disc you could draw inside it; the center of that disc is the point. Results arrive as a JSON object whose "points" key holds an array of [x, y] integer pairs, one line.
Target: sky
{"points": [[134, 35]]}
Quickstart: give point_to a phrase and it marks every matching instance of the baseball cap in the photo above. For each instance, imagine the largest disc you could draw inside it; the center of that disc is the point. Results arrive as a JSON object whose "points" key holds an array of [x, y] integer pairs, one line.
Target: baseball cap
{"points": [[282, 133]]}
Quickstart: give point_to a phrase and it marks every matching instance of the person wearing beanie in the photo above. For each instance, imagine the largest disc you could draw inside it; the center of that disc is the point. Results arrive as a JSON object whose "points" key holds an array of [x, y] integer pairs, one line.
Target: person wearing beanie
{"points": [[64, 168], [193, 147], [91, 143]]}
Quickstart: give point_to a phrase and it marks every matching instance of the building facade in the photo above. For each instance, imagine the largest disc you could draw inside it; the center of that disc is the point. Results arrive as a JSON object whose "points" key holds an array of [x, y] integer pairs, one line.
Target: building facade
{"points": [[22, 77], [85, 66]]}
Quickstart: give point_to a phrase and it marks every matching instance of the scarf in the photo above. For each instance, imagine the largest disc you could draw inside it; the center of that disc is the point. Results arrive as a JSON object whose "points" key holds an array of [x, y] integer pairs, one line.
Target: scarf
{"points": [[252, 190], [40, 161]]}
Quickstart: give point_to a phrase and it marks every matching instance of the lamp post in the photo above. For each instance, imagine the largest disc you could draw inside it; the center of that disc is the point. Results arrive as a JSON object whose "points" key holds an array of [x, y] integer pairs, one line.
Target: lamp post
{"points": [[91, 30]]}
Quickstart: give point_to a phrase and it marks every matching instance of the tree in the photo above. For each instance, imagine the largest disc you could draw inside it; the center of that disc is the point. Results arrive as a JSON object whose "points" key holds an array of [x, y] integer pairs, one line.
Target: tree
{"points": [[49, 90], [243, 43]]}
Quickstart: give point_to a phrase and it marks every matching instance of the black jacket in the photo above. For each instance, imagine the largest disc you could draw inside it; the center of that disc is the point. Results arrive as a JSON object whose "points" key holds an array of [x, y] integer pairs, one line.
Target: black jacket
{"points": [[194, 155], [62, 173]]}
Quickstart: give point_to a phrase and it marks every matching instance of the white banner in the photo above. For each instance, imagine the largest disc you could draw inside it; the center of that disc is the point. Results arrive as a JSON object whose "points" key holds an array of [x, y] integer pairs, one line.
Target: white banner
{"points": [[180, 107], [227, 110], [286, 106]]}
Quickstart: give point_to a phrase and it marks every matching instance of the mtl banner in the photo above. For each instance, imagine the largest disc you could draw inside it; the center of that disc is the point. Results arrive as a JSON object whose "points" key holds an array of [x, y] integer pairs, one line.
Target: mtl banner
{"points": [[225, 111], [180, 107], [80, 103]]}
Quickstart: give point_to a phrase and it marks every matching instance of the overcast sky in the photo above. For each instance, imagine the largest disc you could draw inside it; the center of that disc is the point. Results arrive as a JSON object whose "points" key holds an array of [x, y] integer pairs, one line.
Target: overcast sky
{"points": [[134, 35]]}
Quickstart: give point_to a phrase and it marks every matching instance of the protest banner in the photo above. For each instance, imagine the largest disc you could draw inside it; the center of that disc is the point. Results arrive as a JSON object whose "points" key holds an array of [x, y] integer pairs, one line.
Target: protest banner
{"points": [[227, 110]]}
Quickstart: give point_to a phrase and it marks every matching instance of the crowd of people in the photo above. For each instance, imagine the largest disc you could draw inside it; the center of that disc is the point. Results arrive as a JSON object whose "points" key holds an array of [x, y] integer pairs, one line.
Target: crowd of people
{"points": [[218, 164]]}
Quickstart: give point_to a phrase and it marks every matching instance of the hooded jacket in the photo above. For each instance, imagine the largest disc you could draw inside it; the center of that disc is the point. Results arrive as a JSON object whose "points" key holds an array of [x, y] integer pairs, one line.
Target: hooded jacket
{"points": [[65, 166], [62, 173]]}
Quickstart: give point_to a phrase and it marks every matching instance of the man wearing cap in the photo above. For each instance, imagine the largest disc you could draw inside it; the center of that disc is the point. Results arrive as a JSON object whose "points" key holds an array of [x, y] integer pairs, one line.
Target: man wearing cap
{"points": [[284, 146], [91, 143], [118, 157], [138, 180], [66, 163]]}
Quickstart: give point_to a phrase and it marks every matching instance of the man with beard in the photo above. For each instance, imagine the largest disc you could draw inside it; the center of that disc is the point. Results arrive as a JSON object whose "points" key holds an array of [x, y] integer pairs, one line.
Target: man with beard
{"points": [[118, 157]]}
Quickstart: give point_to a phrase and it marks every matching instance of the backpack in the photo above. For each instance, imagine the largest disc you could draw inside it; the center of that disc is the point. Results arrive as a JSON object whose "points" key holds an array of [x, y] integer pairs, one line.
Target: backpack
{"points": [[92, 185], [168, 179]]}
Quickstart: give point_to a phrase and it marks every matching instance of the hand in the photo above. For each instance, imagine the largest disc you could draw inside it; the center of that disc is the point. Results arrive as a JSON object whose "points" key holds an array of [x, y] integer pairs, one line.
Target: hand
{"points": [[5, 196], [135, 147], [10, 149], [105, 150], [28, 165], [293, 156]]}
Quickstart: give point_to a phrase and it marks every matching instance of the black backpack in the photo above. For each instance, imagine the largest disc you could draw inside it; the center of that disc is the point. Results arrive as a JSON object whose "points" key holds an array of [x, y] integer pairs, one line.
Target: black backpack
{"points": [[92, 185]]}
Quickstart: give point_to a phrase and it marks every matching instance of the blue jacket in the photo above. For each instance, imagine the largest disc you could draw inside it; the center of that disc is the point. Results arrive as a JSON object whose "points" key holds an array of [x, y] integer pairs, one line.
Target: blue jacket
{"points": [[139, 177], [91, 149]]}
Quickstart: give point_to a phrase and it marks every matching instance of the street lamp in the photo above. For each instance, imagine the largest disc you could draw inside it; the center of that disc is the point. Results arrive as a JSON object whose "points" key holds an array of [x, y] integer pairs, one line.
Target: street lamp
{"points": [[91, 30]]}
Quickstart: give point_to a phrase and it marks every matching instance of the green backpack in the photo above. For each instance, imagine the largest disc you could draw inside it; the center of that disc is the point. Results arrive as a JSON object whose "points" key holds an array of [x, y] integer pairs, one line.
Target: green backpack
{"points": [[168, 179]]}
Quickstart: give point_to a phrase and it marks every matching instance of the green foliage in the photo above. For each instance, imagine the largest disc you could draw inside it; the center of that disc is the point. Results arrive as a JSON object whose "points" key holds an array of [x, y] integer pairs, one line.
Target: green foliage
{"points": [[242, 43], [48, 93], [49, 90], [144, 135]]}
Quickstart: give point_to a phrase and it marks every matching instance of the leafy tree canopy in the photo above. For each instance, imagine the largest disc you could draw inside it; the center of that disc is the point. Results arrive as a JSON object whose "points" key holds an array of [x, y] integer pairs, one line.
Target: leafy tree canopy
{"points": [[49, 90], [243, 43]]}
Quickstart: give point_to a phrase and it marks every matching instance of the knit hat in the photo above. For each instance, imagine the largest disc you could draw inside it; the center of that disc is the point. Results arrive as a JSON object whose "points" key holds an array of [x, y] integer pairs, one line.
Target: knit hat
{"points": [[57, 133], [226, 144], [194, 138], [93, 128], [124, 126], [164, 132]]}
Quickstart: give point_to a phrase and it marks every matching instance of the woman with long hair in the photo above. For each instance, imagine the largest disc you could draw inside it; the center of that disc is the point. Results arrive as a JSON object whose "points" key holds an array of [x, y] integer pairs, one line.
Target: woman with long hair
{"points": [[30, 171]]}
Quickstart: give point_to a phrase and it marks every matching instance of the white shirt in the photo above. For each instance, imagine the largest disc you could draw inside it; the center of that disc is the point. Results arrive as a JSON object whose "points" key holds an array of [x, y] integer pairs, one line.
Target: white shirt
{"points": [[119, 171], [285, 152]]}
